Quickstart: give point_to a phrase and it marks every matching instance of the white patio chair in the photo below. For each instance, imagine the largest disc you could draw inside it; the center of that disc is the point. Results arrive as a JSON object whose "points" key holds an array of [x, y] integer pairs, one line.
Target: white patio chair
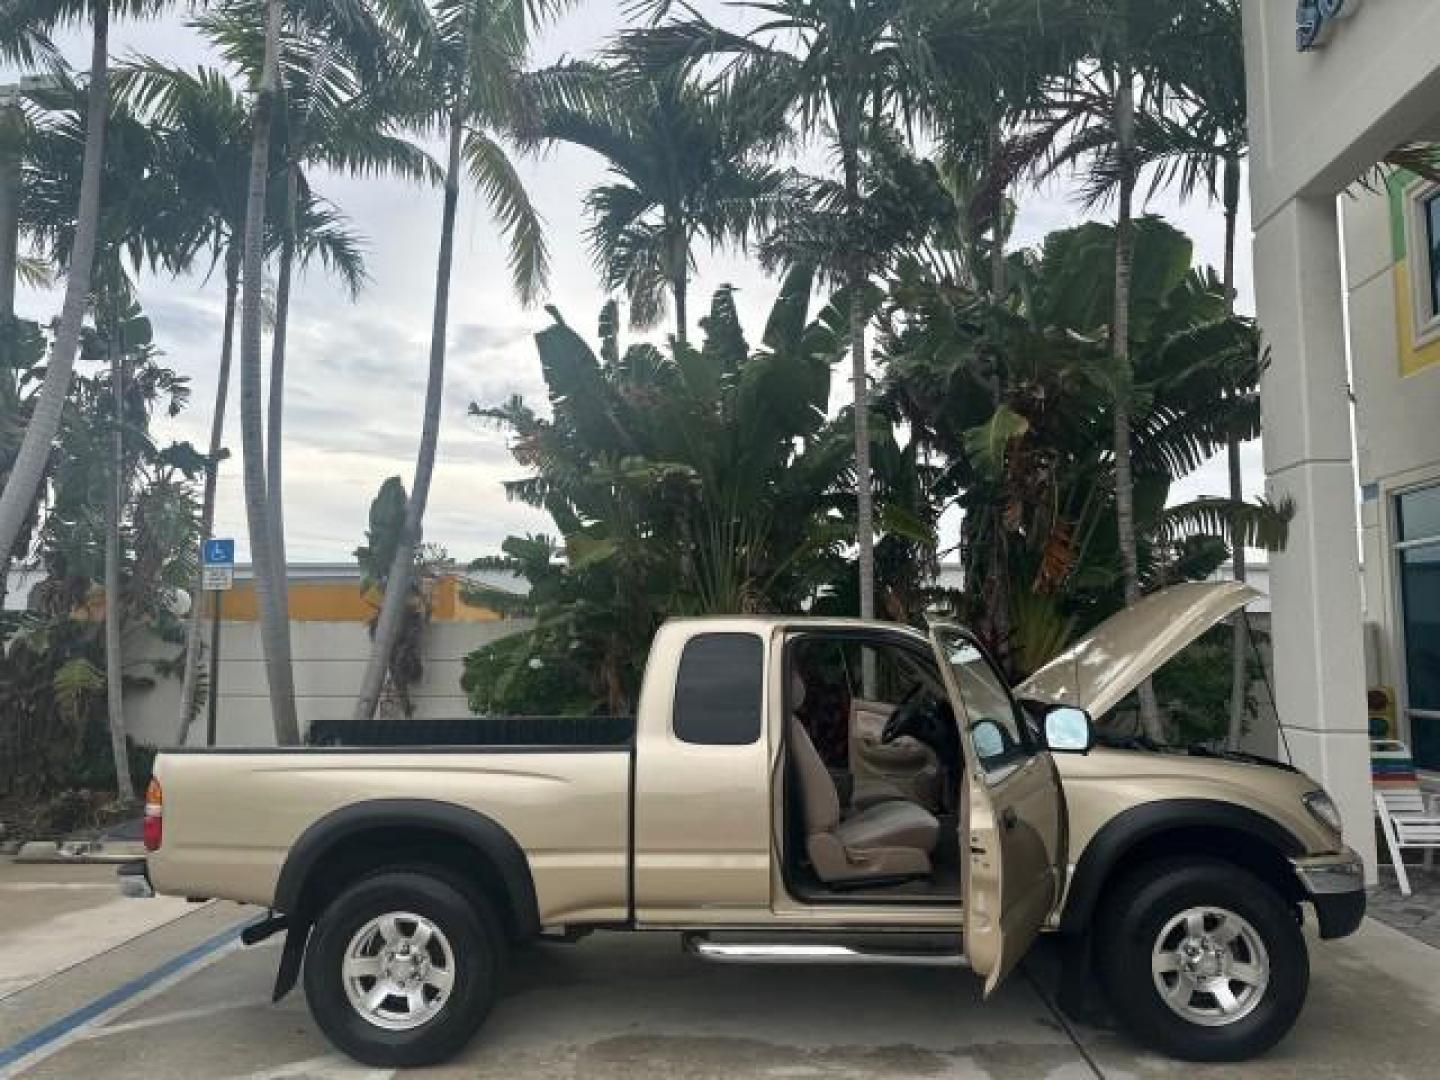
{"points": [[1408, 818]]}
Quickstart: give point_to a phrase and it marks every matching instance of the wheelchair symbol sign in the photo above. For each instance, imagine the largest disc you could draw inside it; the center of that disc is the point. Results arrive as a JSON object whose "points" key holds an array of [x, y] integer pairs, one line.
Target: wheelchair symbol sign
{"points": [[218, 552]]}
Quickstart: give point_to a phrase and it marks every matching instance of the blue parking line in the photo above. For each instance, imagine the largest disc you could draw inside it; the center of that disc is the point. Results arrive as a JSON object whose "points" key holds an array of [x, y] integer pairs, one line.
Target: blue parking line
{"points": [[60, 1028]]}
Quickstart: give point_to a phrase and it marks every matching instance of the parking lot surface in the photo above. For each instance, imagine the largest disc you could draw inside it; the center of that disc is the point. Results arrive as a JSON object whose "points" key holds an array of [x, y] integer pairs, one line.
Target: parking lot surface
{"points": [[181, 999]]}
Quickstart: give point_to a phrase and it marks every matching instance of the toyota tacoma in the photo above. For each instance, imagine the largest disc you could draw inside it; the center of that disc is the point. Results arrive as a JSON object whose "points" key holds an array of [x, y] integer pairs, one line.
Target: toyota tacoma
{"points": [[790, 790]]}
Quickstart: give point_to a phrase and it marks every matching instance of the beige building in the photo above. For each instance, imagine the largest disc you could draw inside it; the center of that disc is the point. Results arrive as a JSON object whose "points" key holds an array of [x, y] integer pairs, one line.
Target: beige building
{"points": [[1335, 86]]}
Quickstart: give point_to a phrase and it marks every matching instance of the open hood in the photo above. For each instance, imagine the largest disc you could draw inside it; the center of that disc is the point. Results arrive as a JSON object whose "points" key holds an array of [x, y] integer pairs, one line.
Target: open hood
{"points": [[1098, 671]]}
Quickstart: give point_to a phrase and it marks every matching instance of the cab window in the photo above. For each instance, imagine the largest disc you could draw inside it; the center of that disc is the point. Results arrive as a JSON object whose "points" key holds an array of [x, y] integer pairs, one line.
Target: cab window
{"points": [[719, 690]]}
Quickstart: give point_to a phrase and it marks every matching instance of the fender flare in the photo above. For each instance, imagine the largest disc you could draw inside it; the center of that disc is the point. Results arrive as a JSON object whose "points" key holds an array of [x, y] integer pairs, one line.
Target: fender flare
{"points": [[483, 833], [1119, 836]]}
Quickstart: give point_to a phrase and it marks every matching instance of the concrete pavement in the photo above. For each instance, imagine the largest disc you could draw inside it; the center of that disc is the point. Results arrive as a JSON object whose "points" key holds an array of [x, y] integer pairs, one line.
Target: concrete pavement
{"points": [[628, 1007], [56, 916]]}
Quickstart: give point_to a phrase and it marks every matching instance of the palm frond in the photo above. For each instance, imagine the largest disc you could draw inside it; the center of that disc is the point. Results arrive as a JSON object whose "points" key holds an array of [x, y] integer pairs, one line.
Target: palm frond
{"points": [[1261, 524], [323, 232], [494, 174]]}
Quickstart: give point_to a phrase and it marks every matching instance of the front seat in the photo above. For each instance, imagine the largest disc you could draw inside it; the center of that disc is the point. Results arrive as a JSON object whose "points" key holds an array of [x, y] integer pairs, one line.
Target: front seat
{"points": [[890, 840]]}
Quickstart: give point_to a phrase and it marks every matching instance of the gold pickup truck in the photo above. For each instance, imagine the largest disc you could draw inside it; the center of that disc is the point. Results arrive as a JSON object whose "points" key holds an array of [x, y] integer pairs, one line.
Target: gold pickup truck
{"points": [[790, 790]]}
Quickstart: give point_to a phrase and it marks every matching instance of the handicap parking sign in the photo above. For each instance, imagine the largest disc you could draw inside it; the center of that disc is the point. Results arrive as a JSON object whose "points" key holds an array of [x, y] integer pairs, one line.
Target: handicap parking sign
{"points": [[217, 564], [218, 552]]}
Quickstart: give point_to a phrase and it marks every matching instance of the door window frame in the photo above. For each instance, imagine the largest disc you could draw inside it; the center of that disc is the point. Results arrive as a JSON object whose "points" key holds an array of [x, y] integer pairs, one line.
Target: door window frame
{"points": [[792, 637], [1401, 663], [1031, 746]]}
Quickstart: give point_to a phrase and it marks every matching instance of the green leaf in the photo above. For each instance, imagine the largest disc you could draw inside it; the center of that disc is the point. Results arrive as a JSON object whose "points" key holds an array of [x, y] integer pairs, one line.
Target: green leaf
{"points": [[903, 522], [988, 443], [584, 551], [136, 333]]}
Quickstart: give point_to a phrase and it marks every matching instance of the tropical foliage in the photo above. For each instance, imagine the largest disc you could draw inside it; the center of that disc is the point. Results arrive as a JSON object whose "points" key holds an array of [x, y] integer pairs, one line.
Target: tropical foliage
{"points": [[700, 479], [869, 154], [53, 728], [1016, 397], [376, 556], [686, 164]]}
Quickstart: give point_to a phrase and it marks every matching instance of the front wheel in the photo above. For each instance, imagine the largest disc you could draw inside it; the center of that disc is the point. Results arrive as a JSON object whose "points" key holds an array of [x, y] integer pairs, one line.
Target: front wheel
{"points": [[402, 968], [1203, 960]]}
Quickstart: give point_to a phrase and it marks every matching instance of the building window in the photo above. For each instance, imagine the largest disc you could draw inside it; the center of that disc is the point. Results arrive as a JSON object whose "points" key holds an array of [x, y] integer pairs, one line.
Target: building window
{"points": [[720, 689], [1417, 519], [1431, 211], [1421, 217]]}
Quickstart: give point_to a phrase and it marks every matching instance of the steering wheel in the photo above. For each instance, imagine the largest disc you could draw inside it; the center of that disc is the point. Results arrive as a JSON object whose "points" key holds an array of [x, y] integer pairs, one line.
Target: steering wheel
{"points": [[902, 721]]}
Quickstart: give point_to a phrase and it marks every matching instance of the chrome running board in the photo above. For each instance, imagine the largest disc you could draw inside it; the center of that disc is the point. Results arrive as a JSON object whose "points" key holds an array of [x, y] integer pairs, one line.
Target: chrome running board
{"points": [[795, 951]]}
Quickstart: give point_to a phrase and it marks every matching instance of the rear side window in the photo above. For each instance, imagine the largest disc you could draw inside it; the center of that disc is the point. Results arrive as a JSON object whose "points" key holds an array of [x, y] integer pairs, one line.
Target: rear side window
{"points": [[719, 691]]}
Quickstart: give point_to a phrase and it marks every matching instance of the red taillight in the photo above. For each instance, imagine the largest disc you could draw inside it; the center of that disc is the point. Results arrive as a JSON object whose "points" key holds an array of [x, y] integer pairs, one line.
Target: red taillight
{"points": [[154, 829]]}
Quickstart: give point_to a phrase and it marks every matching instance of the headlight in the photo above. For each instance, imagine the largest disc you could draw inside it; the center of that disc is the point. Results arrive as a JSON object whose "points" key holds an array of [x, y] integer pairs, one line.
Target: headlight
{"points": [[1323, 809]]}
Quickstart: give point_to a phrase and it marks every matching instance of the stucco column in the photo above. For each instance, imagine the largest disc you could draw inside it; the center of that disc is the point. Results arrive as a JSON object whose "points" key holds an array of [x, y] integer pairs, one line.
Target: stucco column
{"points": [[1315, 581]]}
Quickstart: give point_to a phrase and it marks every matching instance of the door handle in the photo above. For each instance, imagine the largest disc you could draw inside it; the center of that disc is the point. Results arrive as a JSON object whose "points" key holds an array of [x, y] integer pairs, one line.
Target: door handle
{"points": [[1008, 817]]}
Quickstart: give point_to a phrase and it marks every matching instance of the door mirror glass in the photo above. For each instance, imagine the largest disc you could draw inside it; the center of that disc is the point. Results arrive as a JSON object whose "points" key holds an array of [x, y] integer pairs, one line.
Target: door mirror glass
{"points": [[1068, 729], [988, 739]]}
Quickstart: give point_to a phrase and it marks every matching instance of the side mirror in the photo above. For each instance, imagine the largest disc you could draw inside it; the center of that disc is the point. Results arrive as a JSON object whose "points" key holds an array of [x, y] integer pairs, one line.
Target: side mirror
{"points": [[1068, 730]]}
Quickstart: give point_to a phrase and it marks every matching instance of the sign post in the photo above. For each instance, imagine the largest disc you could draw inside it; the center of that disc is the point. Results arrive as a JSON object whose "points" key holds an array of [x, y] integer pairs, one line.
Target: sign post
{"points": [[217, 571]]}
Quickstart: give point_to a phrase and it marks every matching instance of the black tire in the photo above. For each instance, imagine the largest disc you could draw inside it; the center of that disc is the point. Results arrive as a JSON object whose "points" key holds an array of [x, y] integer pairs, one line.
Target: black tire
{"points": [[1139, 909], [473, 933]]}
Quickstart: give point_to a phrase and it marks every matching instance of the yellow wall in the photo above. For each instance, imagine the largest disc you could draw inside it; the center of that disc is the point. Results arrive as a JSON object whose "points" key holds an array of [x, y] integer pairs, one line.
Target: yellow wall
{"points": [[1412, 359], [341, 600]]}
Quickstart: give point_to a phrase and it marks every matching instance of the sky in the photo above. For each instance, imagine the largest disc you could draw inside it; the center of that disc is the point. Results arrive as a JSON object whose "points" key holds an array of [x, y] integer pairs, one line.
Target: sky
{"points": [[356, 370]]}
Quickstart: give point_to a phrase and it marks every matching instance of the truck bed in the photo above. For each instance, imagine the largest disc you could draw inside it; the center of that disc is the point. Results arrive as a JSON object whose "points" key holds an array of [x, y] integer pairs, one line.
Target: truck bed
{"points": [[233, 816]]}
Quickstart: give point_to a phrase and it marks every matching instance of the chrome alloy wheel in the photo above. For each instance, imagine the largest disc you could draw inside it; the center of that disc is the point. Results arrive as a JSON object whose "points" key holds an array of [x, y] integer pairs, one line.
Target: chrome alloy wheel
{"points": [[398, 971], [1210, 966]]}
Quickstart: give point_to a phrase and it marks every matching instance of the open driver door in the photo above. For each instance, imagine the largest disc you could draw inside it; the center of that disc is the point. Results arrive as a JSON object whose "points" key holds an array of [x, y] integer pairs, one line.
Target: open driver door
{"points": [[1012, 835]]}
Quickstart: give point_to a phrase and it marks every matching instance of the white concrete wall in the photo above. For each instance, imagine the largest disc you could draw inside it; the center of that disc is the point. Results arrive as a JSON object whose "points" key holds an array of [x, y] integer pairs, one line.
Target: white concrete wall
{"points": [[1319, 119], [329, 661], [1398, 415]]}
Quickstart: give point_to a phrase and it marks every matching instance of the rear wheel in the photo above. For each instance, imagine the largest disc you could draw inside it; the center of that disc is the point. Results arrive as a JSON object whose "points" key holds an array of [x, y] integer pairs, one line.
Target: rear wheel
{"points": [[1203, 960], [402, 968]]}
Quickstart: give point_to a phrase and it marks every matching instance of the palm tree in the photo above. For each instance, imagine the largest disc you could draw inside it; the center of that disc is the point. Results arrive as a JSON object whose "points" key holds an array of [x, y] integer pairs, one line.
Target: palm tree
{"points": [[1089, 119], [1200, 145], [684, 166], [269, 574], [1041, 460], [202, 123], [472, 83], [136, 220], [12, 139], [844, 69], [992, 62], [336, 67], [24, 30], [116, 492]]}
